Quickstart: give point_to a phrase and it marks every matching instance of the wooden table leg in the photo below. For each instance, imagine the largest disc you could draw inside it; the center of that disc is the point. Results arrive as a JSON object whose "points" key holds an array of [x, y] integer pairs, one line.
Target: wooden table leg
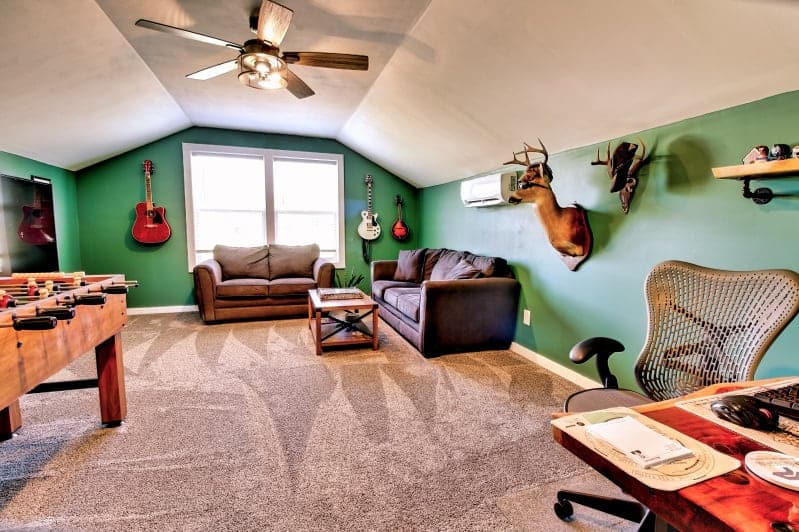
{"points": [[111, 381], [318, 333], [375, 340], [310, 312], [10, 420]]}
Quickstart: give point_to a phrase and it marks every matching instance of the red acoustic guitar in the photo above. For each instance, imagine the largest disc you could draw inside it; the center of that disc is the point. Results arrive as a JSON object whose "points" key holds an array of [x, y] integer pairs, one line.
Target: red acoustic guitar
{"points": [[37, 225], [150, 226]]}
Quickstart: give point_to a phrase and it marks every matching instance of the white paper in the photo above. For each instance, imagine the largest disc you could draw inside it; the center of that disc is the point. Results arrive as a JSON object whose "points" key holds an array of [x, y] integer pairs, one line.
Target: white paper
{"points": [[640, 443]]}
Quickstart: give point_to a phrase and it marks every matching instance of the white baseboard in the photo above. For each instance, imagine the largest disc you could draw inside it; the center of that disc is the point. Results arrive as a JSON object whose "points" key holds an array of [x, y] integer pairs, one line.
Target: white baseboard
{"points": [[554, 367], [162, 310]]}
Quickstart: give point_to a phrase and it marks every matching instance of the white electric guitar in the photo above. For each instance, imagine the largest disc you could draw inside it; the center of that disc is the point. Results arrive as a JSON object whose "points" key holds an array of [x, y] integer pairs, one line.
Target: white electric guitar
{"points": [[369, 229]]}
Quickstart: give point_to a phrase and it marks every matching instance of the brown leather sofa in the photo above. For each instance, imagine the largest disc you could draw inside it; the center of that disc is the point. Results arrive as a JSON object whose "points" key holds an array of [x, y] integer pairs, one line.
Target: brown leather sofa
{"points": [[446, 301], [259, 282]]}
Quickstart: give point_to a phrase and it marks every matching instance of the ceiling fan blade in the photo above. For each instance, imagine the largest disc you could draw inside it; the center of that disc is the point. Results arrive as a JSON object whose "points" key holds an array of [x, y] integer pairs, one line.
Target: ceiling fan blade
{"points": [[273, 22], [327, 60], [186, 34], [296, 86], [214, 71]]}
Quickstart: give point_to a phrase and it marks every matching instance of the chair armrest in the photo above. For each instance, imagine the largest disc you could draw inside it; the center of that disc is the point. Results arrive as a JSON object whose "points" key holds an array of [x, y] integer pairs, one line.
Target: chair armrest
{"points": [[323, 272], [467, 312], [602, 348], [206, 275], [383, 270]]}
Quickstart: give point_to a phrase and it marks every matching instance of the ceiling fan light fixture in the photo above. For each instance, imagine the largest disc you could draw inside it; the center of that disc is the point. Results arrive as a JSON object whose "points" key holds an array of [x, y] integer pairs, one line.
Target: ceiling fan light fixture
{"points": [[262, 71]]}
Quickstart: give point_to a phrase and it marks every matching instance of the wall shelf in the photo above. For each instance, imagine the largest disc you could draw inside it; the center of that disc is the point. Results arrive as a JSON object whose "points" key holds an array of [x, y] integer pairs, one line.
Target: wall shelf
{"points": [[764, 170]]}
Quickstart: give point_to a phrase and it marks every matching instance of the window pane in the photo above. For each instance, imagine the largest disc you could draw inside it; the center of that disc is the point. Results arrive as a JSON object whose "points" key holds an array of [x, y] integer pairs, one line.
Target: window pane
{"points": [[227, 182], [305, 185], [300, 228], [231, 228]]}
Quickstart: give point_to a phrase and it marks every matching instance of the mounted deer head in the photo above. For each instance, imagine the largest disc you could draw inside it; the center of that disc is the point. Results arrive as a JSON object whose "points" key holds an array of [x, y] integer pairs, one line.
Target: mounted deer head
{"points": [[622, 169], [566, 227]]}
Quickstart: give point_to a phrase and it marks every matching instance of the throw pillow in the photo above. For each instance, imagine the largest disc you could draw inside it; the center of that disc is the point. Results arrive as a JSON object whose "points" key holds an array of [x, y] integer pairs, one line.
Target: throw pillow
{"points": [[238, 262], [409, 265], [292, 261], [446, 261], [464, 270]]}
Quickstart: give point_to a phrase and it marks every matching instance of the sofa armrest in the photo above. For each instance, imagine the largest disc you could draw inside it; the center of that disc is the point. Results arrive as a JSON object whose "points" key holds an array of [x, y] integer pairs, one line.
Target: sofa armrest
{"points": [[468, 312], [383, 270], [207, 275], [323, 272]]}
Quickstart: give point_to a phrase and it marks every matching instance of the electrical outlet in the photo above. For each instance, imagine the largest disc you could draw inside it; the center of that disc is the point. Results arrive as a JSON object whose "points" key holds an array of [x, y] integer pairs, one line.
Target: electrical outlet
{"points": [[526, 317]]}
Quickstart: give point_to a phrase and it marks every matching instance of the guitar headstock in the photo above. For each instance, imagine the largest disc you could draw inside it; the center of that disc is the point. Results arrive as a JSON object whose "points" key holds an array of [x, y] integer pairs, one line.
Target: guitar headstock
{"points": [[368, 180], [398, 200], [148, 166]]}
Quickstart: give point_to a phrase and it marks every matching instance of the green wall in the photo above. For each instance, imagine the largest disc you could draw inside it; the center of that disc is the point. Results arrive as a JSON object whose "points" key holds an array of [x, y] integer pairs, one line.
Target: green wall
{"points": [[109, 191], [679, 212], [64, 202]]}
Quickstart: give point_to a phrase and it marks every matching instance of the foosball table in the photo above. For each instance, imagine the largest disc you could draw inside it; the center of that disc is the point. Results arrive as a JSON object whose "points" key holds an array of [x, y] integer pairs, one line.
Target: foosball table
{"points": [[48, 320]]}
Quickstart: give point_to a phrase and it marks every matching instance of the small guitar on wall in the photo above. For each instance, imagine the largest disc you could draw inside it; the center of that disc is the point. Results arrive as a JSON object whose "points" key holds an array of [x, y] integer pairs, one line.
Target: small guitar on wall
{"points": [[369, 229], [400, 230], [37, 226], [150, 226]]}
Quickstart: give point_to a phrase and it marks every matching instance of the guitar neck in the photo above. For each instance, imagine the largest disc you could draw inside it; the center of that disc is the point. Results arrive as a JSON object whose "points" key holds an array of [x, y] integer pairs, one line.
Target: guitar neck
{"points": [[148, 191], [369, 197]]}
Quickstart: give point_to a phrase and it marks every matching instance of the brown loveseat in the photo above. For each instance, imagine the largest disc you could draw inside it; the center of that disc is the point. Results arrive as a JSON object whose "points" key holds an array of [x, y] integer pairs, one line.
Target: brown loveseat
{"points": [[259, 282], [446, 301]]}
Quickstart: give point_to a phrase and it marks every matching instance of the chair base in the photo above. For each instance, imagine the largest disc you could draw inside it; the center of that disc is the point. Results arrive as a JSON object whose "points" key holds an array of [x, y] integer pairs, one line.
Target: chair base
{"points": [[626, 509]]}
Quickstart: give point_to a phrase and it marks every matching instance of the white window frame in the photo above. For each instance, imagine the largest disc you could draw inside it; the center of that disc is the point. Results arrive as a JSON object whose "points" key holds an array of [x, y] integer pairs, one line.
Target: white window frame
{"points": [[268, 156]]}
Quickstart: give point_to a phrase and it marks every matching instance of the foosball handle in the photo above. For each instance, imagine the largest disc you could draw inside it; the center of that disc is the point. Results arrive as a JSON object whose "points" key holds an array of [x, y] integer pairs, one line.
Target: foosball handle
{"points": [[89, 299], [115, 289], [59, 313], [38, 323]]}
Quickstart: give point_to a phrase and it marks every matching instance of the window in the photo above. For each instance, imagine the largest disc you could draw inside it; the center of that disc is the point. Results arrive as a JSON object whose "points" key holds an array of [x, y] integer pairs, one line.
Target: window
{"points": [[248, 197]]}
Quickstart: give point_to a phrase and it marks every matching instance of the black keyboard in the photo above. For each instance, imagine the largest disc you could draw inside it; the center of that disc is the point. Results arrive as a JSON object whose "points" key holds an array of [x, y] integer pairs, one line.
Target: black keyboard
{"points": [[785, 400]]}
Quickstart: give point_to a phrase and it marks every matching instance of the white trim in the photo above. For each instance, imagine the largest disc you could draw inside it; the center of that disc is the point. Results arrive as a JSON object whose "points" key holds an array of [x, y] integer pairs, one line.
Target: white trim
{"points": [[554, 367], [136, 311]]}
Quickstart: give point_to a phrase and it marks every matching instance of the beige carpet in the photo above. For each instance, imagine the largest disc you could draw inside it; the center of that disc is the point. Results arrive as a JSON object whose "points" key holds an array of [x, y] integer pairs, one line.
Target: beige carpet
{"points": [[241, 427]]}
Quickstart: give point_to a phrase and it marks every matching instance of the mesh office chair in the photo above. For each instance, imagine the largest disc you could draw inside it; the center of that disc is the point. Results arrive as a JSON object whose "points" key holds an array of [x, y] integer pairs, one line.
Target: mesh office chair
{"points": [[705, 327]]}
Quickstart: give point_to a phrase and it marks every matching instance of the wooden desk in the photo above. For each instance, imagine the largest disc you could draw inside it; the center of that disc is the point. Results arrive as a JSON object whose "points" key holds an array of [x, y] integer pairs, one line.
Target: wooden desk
{"points": [[29, 357], [735, 501]]}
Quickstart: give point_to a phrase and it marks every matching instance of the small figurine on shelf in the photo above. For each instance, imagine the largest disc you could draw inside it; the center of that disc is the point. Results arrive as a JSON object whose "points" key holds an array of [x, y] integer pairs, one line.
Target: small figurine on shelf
{"points": [[758, 154], [780, 152]]}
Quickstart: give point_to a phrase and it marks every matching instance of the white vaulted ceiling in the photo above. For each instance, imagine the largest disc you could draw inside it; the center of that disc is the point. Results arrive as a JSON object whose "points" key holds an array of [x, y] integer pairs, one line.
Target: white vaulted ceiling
{"points": [[454, 86]]}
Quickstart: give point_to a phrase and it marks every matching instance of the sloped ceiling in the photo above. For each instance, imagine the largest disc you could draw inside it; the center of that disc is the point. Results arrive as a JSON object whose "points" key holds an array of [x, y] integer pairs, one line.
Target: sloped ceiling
{"points": [[453, 86]]}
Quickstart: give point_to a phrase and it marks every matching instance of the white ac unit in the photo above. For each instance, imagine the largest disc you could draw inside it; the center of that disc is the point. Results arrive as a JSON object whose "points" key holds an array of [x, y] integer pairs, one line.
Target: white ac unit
{"points": [[494, 189]]}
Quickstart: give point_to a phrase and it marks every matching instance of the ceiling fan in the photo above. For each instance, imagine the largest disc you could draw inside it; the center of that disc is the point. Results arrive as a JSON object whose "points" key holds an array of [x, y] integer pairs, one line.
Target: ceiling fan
{"points": [[260, 62]]}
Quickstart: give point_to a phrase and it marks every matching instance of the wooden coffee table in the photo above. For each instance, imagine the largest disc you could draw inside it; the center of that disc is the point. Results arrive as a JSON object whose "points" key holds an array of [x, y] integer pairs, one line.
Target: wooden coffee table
{"points": [[340, 322]]}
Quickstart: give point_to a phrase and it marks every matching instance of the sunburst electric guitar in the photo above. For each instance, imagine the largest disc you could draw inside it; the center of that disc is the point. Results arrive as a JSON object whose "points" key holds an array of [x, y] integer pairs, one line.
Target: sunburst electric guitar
{"points": [[369, 229], [150, 226]]}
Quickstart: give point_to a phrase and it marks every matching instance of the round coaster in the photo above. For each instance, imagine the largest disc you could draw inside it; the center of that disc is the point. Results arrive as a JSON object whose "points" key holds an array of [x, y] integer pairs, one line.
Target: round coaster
{"points": [[777, 468]]}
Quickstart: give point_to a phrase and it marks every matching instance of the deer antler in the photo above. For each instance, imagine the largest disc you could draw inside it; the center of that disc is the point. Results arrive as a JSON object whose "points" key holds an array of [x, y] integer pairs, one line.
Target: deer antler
{"points": [[527, 150]]}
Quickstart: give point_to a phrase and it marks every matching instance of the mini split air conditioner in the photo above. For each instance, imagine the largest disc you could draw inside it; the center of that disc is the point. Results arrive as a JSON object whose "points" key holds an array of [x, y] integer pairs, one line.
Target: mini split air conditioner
{"points": [[494, 189]]}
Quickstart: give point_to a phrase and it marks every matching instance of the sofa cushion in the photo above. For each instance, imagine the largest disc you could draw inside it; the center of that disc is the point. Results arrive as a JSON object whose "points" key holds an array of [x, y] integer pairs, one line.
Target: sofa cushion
{"points": [[464, 270], [448, 260], [239, 262], [487, 265], [291, 286], [405, 300], [409, 265], [243, 288], [408, 304], [379, 287], [292, 261]]}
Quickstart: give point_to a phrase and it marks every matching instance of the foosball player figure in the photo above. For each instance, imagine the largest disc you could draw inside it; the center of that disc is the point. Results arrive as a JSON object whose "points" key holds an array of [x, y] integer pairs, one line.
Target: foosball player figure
{"points": [[7, 300]]}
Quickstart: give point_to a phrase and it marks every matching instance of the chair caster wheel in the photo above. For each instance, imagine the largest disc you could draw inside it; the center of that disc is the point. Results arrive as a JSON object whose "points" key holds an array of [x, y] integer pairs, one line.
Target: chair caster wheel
{"points": [[564, 510]]}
